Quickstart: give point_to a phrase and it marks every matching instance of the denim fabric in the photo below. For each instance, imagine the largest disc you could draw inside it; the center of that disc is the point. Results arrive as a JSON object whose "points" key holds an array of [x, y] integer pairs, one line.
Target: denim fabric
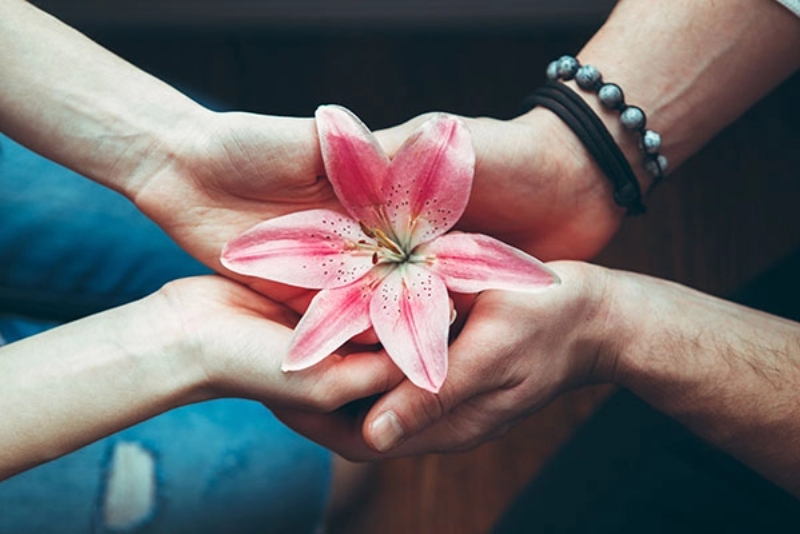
{"points": [[68, 248], [221, 466]]}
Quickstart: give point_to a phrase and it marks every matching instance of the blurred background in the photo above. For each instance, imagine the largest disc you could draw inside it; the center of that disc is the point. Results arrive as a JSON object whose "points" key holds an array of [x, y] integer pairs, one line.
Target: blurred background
{"points": [[724, 217]]}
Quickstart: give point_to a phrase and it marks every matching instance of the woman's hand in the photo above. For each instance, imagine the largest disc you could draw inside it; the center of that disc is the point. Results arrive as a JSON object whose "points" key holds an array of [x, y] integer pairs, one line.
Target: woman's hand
{"points": [[239, 338], [194, 340], [232, 171]]}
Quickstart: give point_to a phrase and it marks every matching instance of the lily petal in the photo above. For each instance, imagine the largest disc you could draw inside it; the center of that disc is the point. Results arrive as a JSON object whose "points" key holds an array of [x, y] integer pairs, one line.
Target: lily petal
{"points": [[333, 317], [470, 263], [313, 249], [410, 313], [429, 180], [355, 162]]}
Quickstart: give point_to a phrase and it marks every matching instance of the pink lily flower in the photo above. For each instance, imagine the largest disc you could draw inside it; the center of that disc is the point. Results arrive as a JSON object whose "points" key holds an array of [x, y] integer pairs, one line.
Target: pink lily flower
{"points": [[387, 262]]}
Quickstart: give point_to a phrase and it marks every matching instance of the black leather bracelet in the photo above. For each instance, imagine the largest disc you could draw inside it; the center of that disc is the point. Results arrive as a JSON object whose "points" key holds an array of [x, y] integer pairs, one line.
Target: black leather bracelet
{"points": [[588, 127]]}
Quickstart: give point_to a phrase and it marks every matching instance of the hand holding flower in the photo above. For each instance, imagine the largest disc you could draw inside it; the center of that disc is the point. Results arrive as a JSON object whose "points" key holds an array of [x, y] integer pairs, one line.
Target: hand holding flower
{"points": [[513, 356], [388, 262], [535, 186]]}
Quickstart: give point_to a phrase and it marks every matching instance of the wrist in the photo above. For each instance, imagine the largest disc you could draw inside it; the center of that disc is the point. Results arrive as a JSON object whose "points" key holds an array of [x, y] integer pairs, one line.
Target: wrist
{"points": [[75, 384], [582, 188], [627, 141], [622, 323], [166, 351], [573, 160], [160, 145], [650, 319]]}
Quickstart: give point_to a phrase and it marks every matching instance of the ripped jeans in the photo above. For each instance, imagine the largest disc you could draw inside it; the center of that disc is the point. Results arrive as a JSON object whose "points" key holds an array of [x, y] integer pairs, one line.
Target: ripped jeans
{"points": [[68, 248]]}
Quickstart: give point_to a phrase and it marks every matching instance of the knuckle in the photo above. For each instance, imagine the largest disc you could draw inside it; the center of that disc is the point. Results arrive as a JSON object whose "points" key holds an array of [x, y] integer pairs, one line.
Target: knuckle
{"points": [[321, 402], [431, 408]]}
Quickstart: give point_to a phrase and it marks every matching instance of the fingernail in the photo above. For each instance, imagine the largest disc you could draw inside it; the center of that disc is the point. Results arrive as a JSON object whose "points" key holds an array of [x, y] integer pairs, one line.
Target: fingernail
{"points": [[386, 432]]}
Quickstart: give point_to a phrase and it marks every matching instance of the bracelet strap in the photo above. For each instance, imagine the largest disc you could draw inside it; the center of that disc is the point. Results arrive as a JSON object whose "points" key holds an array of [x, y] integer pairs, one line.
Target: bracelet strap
{"points": [[594, 135], [612, 98]]}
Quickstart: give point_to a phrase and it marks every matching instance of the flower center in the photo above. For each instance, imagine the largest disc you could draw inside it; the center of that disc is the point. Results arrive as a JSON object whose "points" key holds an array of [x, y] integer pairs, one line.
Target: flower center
{"points": [[385, 248]]}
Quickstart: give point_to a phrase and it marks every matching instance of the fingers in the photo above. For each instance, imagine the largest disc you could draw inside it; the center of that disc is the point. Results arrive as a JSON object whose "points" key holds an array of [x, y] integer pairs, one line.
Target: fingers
{"points": [[340, 380], [407, 410], [339, 431]]}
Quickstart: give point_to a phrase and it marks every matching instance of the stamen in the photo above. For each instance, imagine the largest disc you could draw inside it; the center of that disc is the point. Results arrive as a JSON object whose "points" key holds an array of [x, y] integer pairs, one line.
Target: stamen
{"points": [[366, 229], [388, 243]]}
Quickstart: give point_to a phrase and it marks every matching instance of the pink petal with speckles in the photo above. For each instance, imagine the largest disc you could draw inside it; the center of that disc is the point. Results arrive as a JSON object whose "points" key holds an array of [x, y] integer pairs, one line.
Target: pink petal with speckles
{"points": [[430, 179], [410, 313], [333, 317], [312, 249], [469, 263], [355, 162]]}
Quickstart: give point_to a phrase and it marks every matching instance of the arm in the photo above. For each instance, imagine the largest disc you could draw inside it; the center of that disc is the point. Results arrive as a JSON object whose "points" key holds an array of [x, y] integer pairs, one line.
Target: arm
{"points": [[76, 103], [729, 373], [202, 176], [194, 340], [693, 67], [590, 328]]}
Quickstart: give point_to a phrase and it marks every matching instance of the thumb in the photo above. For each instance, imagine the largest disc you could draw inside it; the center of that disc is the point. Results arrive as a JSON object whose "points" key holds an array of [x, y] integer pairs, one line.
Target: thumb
{"points": [[407, 410], [399, 414]]}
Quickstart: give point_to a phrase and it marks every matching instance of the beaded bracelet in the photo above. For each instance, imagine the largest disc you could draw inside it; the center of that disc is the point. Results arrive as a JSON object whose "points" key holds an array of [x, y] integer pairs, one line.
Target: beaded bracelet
{"points": [[597, 140], [610, 95]]}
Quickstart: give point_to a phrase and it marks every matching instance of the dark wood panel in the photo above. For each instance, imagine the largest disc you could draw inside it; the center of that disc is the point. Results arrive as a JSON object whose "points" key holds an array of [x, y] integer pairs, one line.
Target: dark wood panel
{"points": [[326, 14]]}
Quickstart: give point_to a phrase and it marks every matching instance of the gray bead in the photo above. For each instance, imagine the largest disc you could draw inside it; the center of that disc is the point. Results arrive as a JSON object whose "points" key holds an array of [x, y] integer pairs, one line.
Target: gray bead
{"points": [[552, 70], [632, 118], [651, 142], [610, 95], [588, 77], [567, 67], [656, 167]]}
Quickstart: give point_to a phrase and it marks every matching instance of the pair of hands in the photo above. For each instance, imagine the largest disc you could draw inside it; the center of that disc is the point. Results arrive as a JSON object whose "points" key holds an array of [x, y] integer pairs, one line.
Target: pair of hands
{"points": [[534, 188]]}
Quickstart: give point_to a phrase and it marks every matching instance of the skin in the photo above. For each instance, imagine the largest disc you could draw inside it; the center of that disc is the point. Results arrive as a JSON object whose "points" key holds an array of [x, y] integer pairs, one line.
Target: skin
{"points": [[203, 182], [194, 340], [204, 177], [728, 373]]}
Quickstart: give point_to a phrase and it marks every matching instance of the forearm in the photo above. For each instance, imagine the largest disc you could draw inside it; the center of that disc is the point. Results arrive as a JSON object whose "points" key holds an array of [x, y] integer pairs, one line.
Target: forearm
{"points": [[80, 105], [692, 66], [75, 384], [729, 373]]}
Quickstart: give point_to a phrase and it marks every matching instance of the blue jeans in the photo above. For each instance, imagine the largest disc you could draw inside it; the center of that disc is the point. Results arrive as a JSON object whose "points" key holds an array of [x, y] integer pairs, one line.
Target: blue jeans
{"points": [[68, 248]]}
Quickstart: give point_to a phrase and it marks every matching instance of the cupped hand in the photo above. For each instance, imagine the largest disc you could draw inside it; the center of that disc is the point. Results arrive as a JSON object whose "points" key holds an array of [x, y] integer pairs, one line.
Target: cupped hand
{"points": [[238, 338], [232, 171], [515, 353], [535, 186]]}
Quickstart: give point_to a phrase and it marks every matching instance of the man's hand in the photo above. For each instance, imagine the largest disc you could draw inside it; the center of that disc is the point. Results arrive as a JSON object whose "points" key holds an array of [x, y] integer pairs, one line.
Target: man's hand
{"points": [[515, 354], [535, 186]]}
